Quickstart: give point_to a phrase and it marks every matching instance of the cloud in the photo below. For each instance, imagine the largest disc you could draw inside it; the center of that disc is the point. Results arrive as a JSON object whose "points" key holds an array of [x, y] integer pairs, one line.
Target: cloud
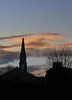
{"points": [[36, 40], [8, 56], [35, 52], [9, 46], [66, 44], [37, 45], [35, 35], [33, 68], [37, 70], [11, 37]]}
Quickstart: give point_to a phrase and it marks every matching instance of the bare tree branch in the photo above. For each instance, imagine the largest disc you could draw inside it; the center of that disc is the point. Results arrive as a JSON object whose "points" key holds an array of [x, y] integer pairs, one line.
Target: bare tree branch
{"points": [[61, 54]]}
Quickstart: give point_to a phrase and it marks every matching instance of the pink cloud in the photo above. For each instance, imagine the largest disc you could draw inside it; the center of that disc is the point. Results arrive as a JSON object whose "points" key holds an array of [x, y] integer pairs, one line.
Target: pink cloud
{"points": [[36, 40]]}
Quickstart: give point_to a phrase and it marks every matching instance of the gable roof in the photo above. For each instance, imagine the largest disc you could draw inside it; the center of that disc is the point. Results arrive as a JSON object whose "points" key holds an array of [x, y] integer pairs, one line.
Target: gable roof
{"points": [[18, 73]]}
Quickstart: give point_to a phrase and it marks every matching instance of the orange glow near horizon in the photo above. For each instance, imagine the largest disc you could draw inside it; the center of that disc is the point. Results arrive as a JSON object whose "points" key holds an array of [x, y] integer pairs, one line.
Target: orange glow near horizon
{"points": [[38, 73]]}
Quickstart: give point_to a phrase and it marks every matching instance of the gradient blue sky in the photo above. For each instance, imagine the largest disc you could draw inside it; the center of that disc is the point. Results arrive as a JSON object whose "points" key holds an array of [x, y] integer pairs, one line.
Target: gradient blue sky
{"points": [[35, 16]]}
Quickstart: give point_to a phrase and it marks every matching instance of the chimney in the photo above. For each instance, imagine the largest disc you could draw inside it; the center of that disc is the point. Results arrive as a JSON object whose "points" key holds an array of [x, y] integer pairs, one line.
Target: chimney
{"points": [[57, 64]]}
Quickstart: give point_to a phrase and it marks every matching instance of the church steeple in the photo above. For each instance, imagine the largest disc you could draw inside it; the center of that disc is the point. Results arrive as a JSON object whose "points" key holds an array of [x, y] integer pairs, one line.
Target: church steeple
{"points": [[23, 46], [22, 63]]}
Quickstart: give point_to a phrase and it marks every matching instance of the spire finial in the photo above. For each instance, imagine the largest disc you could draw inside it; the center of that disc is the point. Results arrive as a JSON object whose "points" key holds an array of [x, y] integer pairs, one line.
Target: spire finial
{"points": [[23, 34]]}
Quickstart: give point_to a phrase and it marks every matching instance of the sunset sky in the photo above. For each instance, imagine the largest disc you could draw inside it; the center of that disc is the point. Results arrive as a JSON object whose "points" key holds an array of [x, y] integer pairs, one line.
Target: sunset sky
{"points": [[45, 23]]}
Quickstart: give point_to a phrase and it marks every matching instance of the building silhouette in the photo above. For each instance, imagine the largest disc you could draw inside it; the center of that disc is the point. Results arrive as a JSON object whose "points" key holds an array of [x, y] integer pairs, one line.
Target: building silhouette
{"points": [[23, 63], [19, 75], [58, 77]]}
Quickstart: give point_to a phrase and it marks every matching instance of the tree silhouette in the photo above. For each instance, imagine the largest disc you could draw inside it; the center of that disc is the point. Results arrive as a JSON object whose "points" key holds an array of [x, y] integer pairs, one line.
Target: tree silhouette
{"points": [[60, 54], [10, 67]]}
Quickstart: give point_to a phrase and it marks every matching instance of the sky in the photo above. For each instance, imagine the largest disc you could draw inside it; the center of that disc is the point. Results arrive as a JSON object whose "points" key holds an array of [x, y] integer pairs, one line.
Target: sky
{"points": [[45, 23]]}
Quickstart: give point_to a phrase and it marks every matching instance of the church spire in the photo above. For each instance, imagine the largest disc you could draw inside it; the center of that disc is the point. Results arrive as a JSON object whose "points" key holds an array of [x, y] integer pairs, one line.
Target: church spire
{"points": [[23, 46], [22, 63]]}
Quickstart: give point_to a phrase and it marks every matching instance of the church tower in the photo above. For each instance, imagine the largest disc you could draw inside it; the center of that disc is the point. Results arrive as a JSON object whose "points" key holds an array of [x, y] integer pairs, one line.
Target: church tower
{"points": [[22, 63]]}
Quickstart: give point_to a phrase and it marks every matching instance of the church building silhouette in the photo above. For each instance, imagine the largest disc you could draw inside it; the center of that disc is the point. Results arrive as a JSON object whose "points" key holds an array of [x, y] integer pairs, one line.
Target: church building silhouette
{"points": [[19, 75]]}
